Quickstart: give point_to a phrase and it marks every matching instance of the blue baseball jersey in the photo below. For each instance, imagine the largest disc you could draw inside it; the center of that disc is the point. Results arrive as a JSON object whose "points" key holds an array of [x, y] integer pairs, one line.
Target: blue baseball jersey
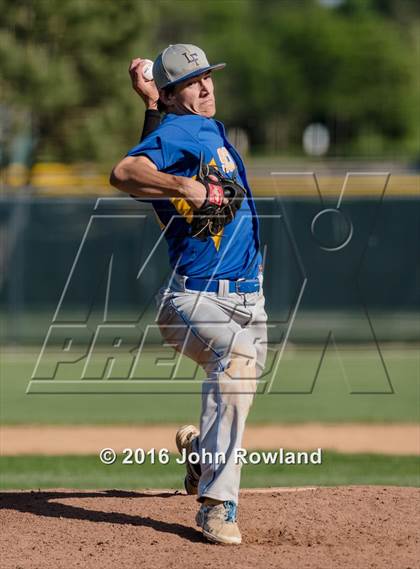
{"points": [[175, 148]]}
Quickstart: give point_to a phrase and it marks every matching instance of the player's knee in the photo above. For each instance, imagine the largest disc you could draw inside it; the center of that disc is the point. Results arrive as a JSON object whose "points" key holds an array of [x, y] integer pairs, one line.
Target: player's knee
{"points": [[261, 358], [239, 377], [242, 362], [241, 367]]}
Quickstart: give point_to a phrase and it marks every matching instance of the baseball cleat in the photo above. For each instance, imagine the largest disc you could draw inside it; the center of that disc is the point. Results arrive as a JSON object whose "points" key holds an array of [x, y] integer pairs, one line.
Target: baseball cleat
{"points": [[184, 439], [218, 522]]}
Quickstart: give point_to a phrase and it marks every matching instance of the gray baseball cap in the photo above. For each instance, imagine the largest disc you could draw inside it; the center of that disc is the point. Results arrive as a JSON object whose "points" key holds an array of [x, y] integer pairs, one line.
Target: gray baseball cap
{"points": [[179, 62]]}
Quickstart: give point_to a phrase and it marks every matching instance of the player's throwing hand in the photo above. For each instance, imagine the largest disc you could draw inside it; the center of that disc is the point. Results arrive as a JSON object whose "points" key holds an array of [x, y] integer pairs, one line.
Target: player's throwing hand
{"points": [[144, 87]]}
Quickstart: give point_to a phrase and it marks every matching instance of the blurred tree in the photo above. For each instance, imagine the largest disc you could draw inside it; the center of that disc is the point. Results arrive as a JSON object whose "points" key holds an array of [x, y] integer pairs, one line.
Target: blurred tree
{"points": [[66, 61], [402, 11], [352, 67], [355, 72], [313, 64]]}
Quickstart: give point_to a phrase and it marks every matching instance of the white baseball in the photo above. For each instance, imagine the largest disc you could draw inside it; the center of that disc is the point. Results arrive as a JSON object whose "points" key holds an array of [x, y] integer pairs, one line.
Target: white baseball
{"points": [[147, 70]]}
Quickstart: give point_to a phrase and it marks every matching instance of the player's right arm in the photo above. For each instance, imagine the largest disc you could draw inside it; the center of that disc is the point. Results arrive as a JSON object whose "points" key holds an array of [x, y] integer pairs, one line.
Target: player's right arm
{"points": [[139, 176]]}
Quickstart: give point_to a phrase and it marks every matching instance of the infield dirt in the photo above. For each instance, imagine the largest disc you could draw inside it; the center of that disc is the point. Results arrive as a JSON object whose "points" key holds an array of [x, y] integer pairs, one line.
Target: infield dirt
{"points": [[383, 438], [346, 527]]}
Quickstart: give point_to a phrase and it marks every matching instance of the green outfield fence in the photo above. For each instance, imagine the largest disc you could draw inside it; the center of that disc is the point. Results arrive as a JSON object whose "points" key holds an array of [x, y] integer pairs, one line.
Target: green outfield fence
{"points": [[356, 273]]}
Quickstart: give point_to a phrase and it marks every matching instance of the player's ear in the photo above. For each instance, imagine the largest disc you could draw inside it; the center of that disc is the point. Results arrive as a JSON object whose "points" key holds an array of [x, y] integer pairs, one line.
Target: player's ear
{"points": [[166, 96]]}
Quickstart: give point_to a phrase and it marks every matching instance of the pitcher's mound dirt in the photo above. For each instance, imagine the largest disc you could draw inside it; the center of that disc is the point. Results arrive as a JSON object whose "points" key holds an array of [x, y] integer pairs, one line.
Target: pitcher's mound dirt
{"points": [[355, 527]]}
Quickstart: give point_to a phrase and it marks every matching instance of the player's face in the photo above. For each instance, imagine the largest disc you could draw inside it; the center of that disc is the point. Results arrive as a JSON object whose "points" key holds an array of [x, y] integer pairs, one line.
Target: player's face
{"points": [[195, 96]]}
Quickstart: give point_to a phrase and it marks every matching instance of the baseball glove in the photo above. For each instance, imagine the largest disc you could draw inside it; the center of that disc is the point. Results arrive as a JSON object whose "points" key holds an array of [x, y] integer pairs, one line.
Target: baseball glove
{"points": [[224, 197]]}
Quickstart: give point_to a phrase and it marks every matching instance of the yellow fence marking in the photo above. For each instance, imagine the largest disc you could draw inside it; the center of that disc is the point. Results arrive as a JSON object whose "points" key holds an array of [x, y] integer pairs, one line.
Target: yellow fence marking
{"points": [[69, 180]]}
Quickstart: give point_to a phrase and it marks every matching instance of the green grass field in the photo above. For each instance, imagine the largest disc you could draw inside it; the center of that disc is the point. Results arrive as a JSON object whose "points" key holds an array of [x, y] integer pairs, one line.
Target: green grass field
{"points": [[331, 399], [36, 472]]}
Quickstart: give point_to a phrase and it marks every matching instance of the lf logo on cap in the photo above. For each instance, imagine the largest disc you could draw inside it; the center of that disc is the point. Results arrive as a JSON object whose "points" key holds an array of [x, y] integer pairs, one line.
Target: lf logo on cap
{"points": [[191, 57]]}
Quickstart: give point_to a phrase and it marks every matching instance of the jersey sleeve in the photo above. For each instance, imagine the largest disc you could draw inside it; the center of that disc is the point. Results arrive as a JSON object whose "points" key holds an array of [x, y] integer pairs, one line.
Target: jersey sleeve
{"points": [[151, 147], [170, 151]]}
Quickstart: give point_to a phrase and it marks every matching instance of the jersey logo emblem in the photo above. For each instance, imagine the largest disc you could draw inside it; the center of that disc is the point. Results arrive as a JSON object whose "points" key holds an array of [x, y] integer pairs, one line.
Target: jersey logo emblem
{"points": [[228, 163]]}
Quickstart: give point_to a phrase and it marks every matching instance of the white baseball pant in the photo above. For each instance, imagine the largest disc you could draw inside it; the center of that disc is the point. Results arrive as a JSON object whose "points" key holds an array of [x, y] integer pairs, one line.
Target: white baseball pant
{"points": [[226, 333]]}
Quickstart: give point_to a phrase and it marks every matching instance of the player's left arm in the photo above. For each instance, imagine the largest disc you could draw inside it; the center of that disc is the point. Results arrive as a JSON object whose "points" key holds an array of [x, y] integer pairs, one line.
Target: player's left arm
{"points": [[139, 177]]}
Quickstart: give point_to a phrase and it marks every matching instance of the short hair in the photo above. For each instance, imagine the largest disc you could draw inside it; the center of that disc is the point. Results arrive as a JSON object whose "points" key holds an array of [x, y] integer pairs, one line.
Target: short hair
{"points": [[168, 91]]}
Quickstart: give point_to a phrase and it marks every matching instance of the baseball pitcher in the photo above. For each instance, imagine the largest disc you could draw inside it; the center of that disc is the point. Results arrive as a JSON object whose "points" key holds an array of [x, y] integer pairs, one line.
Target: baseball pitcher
{"points": [[212, 309]]}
